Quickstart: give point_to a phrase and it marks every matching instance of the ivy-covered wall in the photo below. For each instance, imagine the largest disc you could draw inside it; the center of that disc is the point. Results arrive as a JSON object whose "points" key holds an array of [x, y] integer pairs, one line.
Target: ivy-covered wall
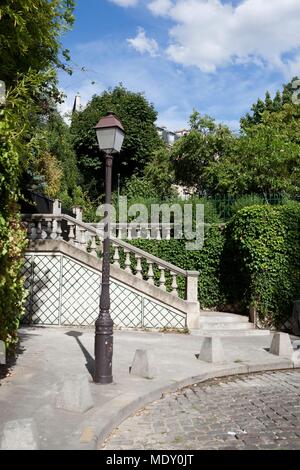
{"points": [[265, 245], [251, 264], [207, 261]]}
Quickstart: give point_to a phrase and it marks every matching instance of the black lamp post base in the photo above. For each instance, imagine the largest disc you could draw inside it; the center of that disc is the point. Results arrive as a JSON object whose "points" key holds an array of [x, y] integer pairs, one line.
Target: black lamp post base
{"points": [[103, 350]]}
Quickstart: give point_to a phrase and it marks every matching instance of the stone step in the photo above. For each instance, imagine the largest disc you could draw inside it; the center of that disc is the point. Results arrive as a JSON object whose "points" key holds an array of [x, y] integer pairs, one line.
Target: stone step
{"points": [[226, 326], [207, 317], [236, 333]]}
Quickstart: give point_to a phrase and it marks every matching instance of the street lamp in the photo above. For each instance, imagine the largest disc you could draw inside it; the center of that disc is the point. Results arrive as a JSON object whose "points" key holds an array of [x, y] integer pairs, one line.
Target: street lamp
{"points": [[110, 135]]}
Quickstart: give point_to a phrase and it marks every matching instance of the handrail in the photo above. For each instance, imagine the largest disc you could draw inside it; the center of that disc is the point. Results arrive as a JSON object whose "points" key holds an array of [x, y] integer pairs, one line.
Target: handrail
{"points": [[49, 226], [138, 251]]}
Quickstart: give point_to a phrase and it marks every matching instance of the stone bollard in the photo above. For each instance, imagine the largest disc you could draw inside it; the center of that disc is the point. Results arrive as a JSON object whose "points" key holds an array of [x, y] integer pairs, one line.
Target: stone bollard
{"points": [[211, 350], [75, 394], [2, 353], [143, 364], [20, 434], [281, 345]]}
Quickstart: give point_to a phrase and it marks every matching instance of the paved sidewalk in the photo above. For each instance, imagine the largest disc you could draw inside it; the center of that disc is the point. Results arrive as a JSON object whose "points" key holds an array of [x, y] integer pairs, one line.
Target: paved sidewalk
{"points": [[51, 355]]}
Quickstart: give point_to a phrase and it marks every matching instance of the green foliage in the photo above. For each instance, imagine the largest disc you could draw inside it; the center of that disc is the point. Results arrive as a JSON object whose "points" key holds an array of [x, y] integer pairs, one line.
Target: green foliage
{"points": [[264, 160], [266, 259], [251, 264], [139, 188], [246, 201], [207, 142], [12, 293], [268, 105], [207, 261], [141, 139], [60, 145], [30, 49], [160, 174], [29, 36]]}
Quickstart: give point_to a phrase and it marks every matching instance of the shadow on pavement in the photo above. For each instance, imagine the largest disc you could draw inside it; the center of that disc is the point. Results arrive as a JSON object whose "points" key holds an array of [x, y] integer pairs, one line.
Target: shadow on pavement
{"points": [[90, 362], [12, 355]]}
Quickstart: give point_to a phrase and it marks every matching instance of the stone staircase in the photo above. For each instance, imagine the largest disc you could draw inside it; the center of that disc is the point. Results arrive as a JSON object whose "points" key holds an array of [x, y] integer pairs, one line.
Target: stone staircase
{"points": [[63, 269], [226, 324]]}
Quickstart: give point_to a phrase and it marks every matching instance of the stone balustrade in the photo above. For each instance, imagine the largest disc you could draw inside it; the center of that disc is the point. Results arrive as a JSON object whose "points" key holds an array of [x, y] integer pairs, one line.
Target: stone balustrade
{"points": [[134, 230], [88, 237]]}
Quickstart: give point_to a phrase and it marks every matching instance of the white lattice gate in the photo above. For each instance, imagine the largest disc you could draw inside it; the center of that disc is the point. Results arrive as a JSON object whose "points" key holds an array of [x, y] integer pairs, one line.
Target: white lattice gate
{"points": [[63, 291]]}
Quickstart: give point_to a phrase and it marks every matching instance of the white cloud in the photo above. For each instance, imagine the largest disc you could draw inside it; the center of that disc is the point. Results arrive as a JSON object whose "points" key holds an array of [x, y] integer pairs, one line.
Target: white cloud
{"points": [[144, 44], [160, 7], [211, 34], [293, 67], [125, 3]]}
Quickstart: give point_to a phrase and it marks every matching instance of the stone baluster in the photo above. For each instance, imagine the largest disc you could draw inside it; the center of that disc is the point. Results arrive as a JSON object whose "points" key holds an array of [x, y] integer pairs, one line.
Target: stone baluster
{"points": [[77, 239], [158, 236], [138, 266], [83, 238], [148, 232], [116, 257], [58, 229], [162, 279], [71, 233], [138, 231], [129, 232], [174, 284], [48, 228], [39, 230], [150, 273], [93, 245], [127, 260], [168, 233], [120, 232]]}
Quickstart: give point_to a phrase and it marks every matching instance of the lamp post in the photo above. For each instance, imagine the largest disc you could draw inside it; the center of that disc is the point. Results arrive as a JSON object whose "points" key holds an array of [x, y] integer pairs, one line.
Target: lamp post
{"points": [[110, 135]]}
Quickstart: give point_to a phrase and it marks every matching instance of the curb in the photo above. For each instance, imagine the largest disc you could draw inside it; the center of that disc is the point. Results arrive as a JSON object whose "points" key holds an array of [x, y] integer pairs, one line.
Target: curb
{"points": [[129, 404]]}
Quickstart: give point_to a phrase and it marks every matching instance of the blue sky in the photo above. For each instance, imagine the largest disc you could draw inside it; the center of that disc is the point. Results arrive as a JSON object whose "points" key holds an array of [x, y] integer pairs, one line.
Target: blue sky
{"points": [[217, 56]]}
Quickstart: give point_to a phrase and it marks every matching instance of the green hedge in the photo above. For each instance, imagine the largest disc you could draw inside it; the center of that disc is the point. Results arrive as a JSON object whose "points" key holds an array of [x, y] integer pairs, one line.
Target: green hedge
{"points": [[266, 262], [207, 261], [12, 292], [252, 263]]}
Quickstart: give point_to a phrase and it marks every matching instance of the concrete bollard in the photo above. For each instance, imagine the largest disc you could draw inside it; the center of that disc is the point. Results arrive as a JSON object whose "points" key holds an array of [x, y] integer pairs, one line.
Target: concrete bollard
{"points": [[75, 394], [2, 353], [211, 350], [143, 364], [281, 345]]}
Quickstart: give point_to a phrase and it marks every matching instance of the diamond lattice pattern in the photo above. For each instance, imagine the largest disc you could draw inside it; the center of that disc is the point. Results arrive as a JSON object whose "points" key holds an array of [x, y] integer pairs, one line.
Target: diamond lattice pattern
{"points": [[157, 316], [63, 291]]}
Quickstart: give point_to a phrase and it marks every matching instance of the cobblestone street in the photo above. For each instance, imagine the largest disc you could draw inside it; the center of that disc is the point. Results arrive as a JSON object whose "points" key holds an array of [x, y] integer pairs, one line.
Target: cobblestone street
{"points": [[260, 411]]}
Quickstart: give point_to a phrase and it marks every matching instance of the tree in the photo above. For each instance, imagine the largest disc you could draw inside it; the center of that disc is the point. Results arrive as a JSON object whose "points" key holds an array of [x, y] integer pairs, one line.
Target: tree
{"points": [[264, 160], [30, 50], [30, 32], [60, 145], [141, 138], [207, 142], [270, 105], [160, 173]]}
